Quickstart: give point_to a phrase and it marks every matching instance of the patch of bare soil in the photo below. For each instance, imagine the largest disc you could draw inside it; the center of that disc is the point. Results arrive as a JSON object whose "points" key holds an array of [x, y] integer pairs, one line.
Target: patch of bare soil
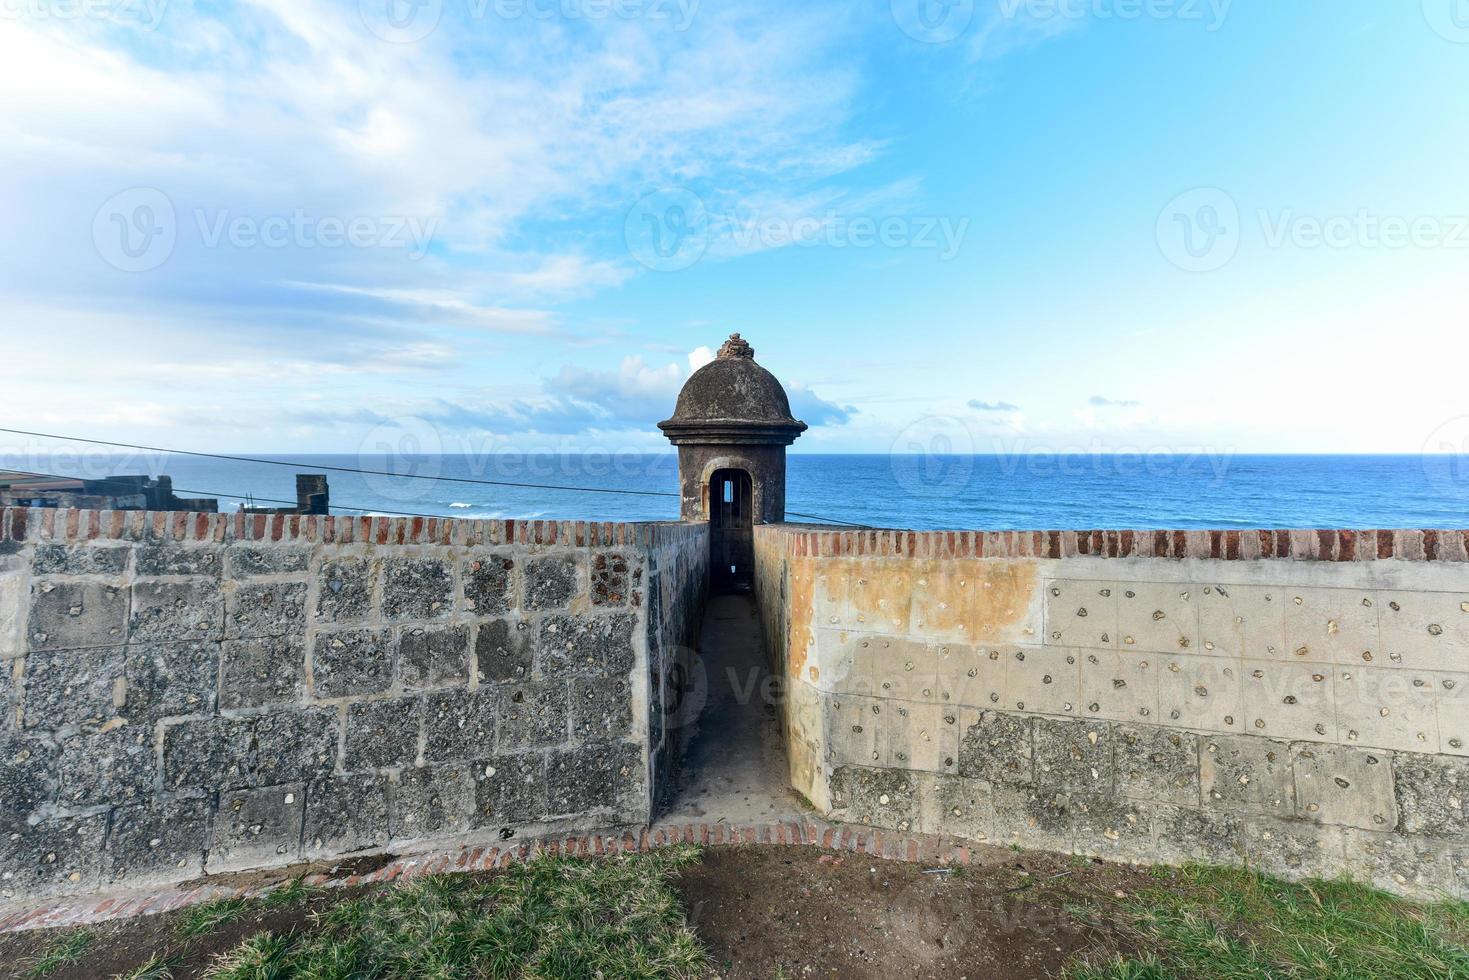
{"points": [[793, 912]]}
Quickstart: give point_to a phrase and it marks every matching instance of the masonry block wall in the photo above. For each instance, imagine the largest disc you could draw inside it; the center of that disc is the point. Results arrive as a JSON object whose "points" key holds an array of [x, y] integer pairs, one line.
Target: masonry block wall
{"points": [[190, 693], [1295, 701]]}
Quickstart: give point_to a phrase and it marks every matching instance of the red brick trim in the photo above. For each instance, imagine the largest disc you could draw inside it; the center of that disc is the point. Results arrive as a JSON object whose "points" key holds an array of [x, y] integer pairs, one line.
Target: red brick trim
{"points": [[885, 845], [1326, 545]]}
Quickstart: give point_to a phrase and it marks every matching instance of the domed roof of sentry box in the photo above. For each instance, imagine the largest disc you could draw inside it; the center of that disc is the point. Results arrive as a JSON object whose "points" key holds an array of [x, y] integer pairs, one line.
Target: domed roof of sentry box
{"points": [[733, 400]]}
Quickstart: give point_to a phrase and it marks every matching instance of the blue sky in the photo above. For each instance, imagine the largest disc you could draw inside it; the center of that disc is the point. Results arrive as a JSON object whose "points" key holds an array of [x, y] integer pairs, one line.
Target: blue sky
{"points": [[1018, 225]]}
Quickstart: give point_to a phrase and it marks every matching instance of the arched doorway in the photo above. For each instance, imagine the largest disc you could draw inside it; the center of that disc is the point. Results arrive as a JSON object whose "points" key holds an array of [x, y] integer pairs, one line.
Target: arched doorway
{"points": [[731, 531]]}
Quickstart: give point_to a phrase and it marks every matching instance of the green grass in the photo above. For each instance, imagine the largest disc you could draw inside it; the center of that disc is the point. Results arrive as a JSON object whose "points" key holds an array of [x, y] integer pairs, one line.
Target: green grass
{"points": [[68, 948], [547, 919], [1229, 924], [201, 920]]}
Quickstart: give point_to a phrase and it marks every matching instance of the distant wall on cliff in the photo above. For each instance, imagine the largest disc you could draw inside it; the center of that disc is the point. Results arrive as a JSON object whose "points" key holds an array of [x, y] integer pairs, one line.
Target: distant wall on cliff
{"points": [[1297, 701], [187, 693]]}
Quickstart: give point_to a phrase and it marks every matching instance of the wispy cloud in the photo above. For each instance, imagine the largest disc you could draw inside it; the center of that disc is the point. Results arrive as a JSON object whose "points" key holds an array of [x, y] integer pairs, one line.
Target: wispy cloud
{"points": [[980, 406], [1097, 401]]}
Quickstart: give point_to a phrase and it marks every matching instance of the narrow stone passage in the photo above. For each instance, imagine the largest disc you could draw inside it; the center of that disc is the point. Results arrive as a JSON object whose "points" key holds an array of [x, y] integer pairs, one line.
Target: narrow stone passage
{"points": [[735, 770]]}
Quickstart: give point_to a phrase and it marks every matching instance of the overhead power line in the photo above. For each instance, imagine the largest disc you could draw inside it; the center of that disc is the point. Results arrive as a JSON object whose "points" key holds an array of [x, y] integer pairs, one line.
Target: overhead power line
{"points": [[367, 472]]}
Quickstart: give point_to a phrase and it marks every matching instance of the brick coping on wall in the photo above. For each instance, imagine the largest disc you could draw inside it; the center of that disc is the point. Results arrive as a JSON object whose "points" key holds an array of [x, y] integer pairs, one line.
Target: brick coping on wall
{"points": [[1298, 545], [808, 832], [43, 524]]}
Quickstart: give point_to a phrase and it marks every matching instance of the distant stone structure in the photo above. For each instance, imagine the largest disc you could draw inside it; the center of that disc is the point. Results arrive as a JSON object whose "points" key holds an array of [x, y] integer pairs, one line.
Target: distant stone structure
{"points": [[312, 497], [732, 425], [109, 493]]}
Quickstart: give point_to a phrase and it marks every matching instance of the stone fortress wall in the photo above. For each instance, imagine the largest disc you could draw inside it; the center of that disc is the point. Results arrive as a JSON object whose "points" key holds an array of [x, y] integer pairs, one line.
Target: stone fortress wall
{"points": [[1295, 701], [188, 693]]}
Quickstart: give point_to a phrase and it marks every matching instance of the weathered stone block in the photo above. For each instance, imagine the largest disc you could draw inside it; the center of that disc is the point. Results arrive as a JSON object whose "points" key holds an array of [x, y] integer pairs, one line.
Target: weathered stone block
{"points": [[1388, 708], [509, 790], [72, 615], [1074, 756], [115, 767], [996, 748], [1154, 618], [851, 725], [12, 607], [417, 588], [1119, 686], [1042, 680], [270, 609], [257, 827], [920, 737], [534, 715], [601, 708], [76, 559], [610, 776], [255, 673], [611, 580], [165, 679], [459, 725], [27, 772], [1242, 621], [382, 734], [346, 814], [60, 856], [1187, 835], [1402, 865], [1111, 827], [355, 661], [73, 687], [586, 645], [550, 582], [245, 561], [162, 842], [966, 807], [1201, 692], [1247, 773], [1288, 701], [173, 611], [1340, 785], [1292, 849], [503, 650], [489, 584], [294, 746], [1331, 626], [1432, 794], [1158, 764], [876, 797], [171, 559], [1081, 614], [432, 802], [344, 590], [208, 753], [430, 657]]}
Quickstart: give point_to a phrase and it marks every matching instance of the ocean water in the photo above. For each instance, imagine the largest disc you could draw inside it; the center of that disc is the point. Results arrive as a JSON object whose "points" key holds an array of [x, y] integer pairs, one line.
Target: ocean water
{"points": [[919, 492]]}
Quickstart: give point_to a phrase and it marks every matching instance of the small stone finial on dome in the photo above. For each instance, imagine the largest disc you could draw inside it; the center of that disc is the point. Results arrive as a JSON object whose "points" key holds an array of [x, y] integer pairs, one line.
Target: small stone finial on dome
{"points": [[735, 346]]}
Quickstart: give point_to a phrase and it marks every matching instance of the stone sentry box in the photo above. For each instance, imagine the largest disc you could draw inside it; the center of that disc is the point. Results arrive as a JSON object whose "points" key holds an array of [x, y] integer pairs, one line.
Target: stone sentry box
{"points": [[187, 693], [1297, 701]]}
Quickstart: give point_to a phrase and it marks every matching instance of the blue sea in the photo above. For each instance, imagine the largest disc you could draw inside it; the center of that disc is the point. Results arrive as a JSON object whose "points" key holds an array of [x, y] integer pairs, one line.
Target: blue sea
{"points": [[919, 492]]}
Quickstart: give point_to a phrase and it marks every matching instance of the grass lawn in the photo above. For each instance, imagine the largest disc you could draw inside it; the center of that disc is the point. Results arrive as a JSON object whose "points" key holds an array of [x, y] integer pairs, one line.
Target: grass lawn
{"points": [[760, 913]]}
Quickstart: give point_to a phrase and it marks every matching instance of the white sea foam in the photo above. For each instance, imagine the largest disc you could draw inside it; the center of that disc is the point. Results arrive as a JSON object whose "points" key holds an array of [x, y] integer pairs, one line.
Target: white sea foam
{"points": [[461, 506]]}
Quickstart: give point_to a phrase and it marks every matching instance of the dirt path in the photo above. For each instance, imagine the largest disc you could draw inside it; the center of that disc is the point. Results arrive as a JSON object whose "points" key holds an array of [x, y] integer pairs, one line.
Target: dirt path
{"points": [[735, 769]]}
